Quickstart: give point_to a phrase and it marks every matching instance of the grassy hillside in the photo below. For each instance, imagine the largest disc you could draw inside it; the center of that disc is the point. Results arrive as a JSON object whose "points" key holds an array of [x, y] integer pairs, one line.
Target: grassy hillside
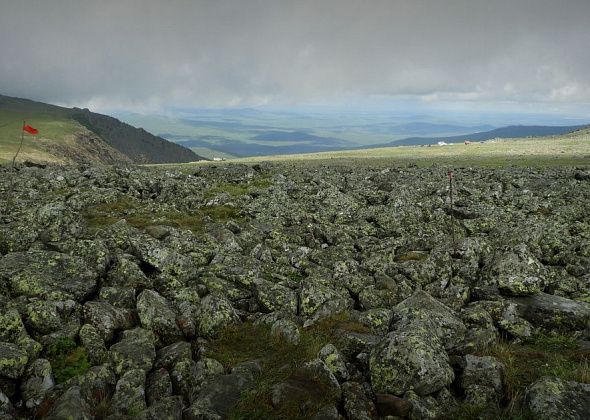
{"points": [[54, 128], [572, 149], [76, 135]]}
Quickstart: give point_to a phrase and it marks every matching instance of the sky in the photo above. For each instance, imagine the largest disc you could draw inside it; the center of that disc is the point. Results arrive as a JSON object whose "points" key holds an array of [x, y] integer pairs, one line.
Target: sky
{"points": [[147, 55]]}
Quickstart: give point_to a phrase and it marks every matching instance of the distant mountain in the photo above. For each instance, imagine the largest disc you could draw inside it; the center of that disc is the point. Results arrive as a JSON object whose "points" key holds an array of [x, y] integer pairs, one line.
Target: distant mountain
{"points": [[242, 149], [78, 135], [513, 131]]}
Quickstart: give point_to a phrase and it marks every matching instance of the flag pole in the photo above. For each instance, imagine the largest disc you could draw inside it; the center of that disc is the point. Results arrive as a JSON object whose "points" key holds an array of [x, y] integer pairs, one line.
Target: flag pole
{"points": [[12, 168]]}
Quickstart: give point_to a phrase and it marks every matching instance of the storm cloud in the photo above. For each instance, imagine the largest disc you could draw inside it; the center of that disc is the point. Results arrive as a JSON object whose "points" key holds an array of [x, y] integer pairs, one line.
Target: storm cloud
{"points": [[147, 53]]}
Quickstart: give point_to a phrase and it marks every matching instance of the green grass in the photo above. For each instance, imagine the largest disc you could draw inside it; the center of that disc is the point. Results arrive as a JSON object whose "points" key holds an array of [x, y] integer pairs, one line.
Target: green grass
{"points": [[67, 359], [103, 215], [543, 355], [571, 149], [52, 128], [281, 361]]}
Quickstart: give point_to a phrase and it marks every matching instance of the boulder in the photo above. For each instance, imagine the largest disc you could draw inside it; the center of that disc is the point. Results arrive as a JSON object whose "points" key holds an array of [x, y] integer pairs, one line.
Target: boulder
{"points": [[422, 308], [39, 380], [129, 397], [553, 312], [92, 340], [13, 360], [482, 380], [107, 319], [156, 314], [286, 330], [47, 275], [516, 271], [71, 405], [213, 313], [275, 297], [356, 403], [407, 359], [554, 398], [135, 351]]}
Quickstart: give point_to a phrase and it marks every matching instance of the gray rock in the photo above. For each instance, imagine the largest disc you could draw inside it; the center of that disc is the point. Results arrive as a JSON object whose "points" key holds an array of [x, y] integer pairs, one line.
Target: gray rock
{"points": [[158, 386], [13, 360], [482, 380], [71, 405], [335, 362], [550, 311], [39, 380], [410, 359], [92, 341], [48, 275], [286, 330], [156, 314], [516, 271], [135, 351], [129, 397], [107, 319], [170, 408], [275, 297], [356, 404], [420, 308], [214, 313], [554, 398]]}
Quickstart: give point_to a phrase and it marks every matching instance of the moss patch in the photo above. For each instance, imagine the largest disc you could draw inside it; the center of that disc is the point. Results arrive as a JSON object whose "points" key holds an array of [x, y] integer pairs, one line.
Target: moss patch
{"points": [[281, 362], [137, 215], [67, 360]]}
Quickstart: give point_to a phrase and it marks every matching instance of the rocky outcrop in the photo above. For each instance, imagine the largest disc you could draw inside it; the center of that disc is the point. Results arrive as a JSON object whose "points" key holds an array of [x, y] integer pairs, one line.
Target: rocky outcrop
{"points": [[135, 292]]}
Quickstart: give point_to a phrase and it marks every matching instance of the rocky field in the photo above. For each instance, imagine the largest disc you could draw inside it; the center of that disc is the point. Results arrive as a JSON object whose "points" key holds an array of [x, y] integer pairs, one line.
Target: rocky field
{"points": [[294, 291]]}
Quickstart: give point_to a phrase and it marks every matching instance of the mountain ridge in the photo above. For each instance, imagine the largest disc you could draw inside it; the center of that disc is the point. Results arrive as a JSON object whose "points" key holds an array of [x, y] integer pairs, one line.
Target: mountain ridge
{"points": [[122, 142]]}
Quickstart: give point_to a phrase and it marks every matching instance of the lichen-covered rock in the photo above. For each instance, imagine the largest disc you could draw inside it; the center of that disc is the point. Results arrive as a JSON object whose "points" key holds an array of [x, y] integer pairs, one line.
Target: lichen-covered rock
{"points": [[420, 308], [275, 297], [356, 404], [129, 397], [221, 393], [127, 273], [314, 295], [92, 341], [554, 398], [135, 351], [13, 360], [287, 330], [107, 319], [167, 356], [119, 297], [39, 380], [554, 312], [71, 405], [214, 312], [482, 380], [481, 331], [516, 271], [156, 314], [335, 362], [56, 221], [48, 275], [378, 320], [167, 408], [410, 359], [158, 386], [42, 316]]}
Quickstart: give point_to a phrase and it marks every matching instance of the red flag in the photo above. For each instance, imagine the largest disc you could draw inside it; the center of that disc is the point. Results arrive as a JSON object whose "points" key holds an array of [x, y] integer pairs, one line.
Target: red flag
{"points": [[30, 129]]}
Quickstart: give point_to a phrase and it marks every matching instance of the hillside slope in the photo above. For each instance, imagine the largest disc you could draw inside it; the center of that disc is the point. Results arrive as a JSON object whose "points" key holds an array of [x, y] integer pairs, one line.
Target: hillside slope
{"points": [[77, 135], [512, 131]]}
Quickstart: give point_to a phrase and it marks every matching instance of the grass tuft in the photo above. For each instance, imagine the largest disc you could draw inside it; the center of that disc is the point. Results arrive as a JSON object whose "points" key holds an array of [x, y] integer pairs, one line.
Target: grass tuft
{"points": [[281, 362]]}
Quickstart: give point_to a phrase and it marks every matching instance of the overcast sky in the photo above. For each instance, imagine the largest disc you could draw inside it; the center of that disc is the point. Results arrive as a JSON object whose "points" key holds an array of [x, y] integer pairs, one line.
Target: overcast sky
{"points": [[146, 54]]}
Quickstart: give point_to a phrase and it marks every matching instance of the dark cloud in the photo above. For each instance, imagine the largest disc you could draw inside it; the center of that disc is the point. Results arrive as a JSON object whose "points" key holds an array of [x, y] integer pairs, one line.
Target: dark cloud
{"points": [[147, 53]]}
